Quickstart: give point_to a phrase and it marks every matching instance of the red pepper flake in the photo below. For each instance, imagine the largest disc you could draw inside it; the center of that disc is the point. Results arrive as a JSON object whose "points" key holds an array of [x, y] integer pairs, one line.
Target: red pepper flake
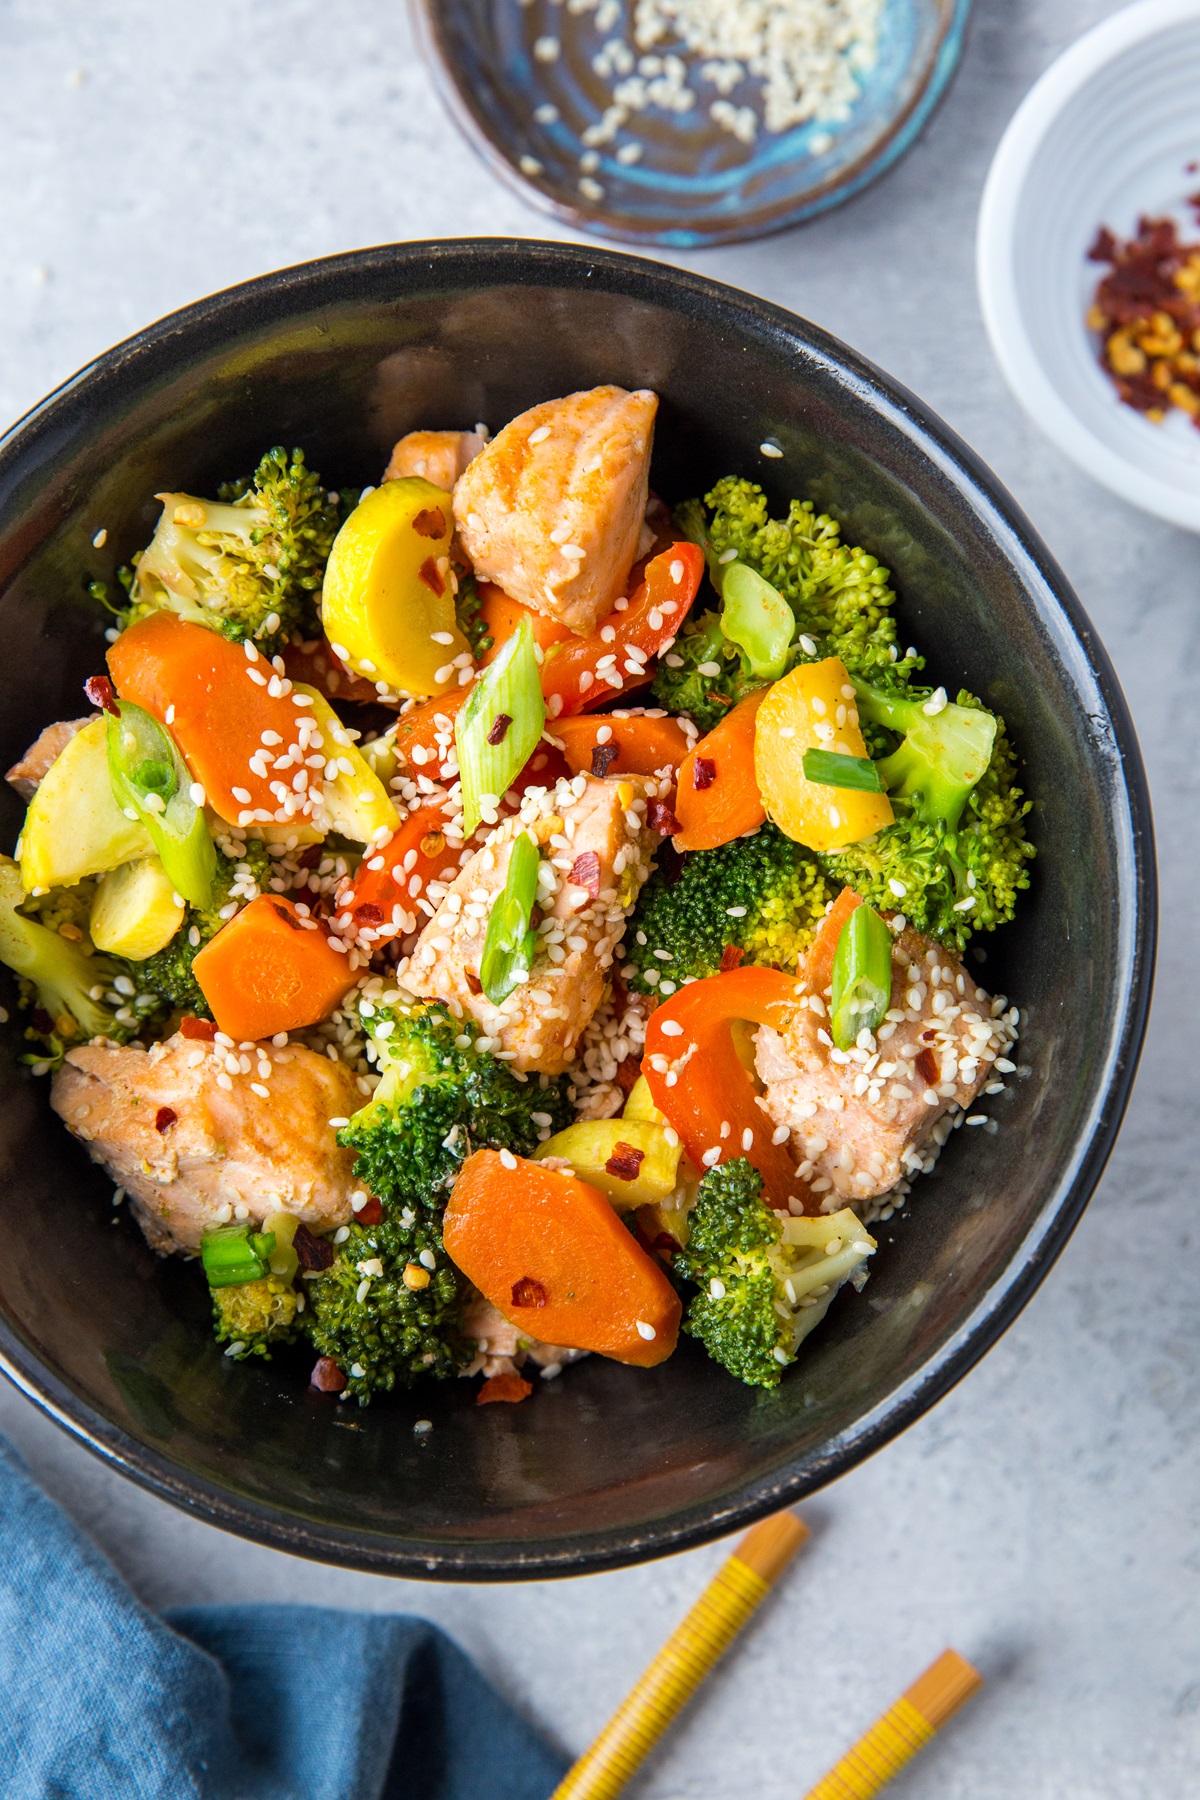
{"points": [[1146, 311], [326, 1377], [603, 758], [499, 731], [287, 915], [312, 1252], [191, 1027], [369, 914], [164, 1118], [927, 1068], [585, 873], [371, 1213], [731, 958], [99, 690], [503, 1387], [704, 772], [308, 859], [627, 1074], [430, 523], [666, 1244], [528, 1292], [431, 575], [474, 985], [660, 818], [625, 1162], [433, 843]]}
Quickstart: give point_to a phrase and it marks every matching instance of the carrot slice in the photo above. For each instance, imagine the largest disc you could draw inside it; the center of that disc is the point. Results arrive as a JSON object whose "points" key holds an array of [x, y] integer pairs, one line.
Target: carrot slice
{"points": [[587, 672], [718, 798], [389, 882], [817, 968], [637, 746], [508, 1386], [215, 701], [697, 1078], [271, 970], [551, 1254]]}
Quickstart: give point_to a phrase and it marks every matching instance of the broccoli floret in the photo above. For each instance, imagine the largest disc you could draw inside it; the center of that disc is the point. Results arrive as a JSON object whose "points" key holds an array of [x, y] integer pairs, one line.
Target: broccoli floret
{"points": [[839, 594], [957, 855], [254, 1316], [762, 895], [73, 992], [765, 1279], [169, 971], [390, 1306], [437, 1103], [250, 564]]}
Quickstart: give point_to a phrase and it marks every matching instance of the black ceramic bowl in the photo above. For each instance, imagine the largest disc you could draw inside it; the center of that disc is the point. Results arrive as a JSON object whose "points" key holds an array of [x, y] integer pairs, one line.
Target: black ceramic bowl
{"points": [[606, 1465]]}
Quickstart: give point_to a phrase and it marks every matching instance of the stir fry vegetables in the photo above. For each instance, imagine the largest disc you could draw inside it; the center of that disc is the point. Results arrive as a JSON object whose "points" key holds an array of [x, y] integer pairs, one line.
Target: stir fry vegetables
{"points": [[483, 950]]}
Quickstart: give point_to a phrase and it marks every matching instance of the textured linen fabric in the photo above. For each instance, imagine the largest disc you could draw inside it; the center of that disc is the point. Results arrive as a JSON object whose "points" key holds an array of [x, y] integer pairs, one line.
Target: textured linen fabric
{"points": [[101, 1700]]}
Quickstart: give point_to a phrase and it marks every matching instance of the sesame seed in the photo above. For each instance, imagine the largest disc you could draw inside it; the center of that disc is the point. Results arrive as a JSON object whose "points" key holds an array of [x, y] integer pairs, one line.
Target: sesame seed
{"points": [[508, 1159], [645, 1330], [708, 668], [769, 449], [671, 1028]]}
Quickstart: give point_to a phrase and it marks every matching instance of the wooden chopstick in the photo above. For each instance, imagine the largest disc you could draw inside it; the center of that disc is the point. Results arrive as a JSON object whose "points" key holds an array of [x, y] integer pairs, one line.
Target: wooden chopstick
{"points": [[729, 1600], [904, 1729]]}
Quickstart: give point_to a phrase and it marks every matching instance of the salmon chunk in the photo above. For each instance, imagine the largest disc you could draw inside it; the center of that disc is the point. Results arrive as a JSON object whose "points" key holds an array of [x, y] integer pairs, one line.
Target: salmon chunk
{"points": [[28, 774], [863, 1119], [437, 456], [500, 1349], [552, 511], [192, 1154], [596, 849]]}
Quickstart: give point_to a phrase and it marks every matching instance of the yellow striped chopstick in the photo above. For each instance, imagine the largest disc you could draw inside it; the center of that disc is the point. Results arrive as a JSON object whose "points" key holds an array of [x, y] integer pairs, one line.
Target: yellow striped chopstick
{"points": [[684, 1660], [905, 1728]]}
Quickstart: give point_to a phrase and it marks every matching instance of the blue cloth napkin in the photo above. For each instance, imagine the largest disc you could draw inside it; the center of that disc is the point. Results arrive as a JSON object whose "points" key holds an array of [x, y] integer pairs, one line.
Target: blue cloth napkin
{"points": [[101, 1700]]}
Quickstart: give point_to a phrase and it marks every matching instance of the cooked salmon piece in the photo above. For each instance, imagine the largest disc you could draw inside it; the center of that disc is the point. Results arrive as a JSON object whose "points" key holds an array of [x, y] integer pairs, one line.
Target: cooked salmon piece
{"points": [[28, 774], [596, 855], [500, 1349], [437, 456], [862, 1119], [192, 1154], [553, 509]]}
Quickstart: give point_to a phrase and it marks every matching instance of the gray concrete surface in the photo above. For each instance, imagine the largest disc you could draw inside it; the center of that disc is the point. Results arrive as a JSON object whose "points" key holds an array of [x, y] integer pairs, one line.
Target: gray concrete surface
{"points": [[1044, 1518]]}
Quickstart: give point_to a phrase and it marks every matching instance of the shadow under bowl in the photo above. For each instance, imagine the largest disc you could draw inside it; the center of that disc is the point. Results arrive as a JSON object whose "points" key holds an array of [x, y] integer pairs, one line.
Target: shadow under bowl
{"points": [[606, 1465], [547, 125]]}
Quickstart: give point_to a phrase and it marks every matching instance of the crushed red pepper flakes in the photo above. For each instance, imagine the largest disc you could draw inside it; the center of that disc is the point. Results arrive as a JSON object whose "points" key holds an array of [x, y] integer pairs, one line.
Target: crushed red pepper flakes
{"points": [[191, 1027], [731, 958], [430, 523], [312, 1252], [704, 772], [504, 1387], [585, 873], [528, 1292], [660, 818], [371, 1212], [99, 690], [326, 1377], [927, 1068], [431, 575], [369, 913], [603, 758], [1147, 313], [499, 731], [625, 1162], [628, 1071], [164, 1118]]}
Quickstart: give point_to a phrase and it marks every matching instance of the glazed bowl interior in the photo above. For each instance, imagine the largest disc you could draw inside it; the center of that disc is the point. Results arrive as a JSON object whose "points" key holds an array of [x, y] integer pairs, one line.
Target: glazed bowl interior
{"points": [[606, 1464]]}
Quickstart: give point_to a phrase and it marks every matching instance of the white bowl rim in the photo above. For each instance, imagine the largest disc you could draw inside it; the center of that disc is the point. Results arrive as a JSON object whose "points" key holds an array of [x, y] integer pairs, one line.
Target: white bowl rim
{"points": [[994, 264]]}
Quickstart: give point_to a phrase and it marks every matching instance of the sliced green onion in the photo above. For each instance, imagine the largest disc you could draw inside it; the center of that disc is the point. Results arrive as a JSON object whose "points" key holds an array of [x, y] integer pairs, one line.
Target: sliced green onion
{"points": [[510, 943], [828, 768], [151, 779], [511, 688], [756, 618], [862, 976], [234, 1254]]}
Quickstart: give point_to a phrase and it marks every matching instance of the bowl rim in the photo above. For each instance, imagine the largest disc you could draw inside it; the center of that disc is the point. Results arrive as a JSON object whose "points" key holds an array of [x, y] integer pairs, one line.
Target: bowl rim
{"points": [[609, 223], [995, 263], [64, 413]]}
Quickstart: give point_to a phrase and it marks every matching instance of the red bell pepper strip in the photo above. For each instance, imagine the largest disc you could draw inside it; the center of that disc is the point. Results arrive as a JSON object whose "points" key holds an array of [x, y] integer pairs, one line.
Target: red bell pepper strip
{"points": [[698, 1080]]}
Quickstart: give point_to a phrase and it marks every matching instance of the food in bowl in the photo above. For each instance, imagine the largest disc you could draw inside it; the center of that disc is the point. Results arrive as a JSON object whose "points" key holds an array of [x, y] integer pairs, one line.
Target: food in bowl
{"points": [[498, 1028], [1146, 314]]}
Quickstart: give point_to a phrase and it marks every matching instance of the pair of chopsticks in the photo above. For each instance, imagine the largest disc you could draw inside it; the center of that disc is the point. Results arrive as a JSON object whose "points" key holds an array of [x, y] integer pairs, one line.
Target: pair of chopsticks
{"points": [[725, 1606]]}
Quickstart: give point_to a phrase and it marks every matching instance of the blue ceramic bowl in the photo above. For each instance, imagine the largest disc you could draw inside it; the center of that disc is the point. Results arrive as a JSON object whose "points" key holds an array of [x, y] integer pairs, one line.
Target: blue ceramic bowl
{"points": [[694, 184]]}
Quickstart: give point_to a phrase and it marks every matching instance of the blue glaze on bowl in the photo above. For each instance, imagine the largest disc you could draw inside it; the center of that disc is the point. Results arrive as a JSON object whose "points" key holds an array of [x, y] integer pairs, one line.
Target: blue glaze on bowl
{"points": [[695, 185]]}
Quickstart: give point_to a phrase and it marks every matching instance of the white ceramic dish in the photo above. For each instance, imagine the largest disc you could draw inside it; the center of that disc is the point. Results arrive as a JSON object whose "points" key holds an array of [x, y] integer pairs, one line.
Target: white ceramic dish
{"points": [[1105, 135]]}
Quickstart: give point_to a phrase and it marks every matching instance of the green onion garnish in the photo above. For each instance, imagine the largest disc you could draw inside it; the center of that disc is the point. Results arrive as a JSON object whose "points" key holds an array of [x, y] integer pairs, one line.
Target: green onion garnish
{"points": [[510, 942], [151, 779], [756, 618], [509, 688], [234, 1254], [830, 769], [862, 976]]}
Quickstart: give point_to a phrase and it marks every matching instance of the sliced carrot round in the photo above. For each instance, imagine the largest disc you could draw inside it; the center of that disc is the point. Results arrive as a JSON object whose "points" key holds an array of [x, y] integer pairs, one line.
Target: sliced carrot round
{"points": [[271, 969]]}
